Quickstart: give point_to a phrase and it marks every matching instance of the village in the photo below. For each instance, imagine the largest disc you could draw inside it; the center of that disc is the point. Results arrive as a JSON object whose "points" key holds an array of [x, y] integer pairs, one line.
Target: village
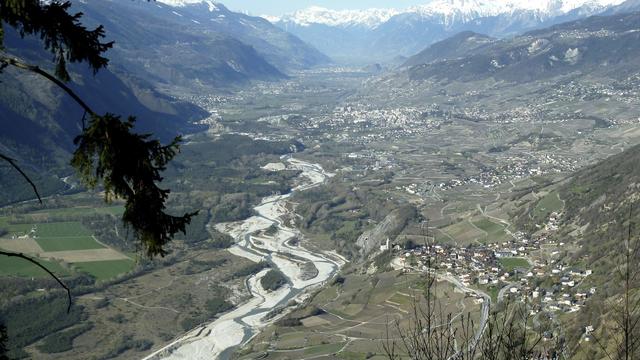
{"points": [[521, 270]]}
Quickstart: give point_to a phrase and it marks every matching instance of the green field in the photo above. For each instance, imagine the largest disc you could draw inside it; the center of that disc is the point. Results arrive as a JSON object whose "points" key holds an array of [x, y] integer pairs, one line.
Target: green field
{"points": [[68, 228], [10, 266], [495, 232], [65, 236], [509, 264], [548, 204], [81, 211], [463, 232], [64, 243], [117, 210], [19, 229], [105, 270]]}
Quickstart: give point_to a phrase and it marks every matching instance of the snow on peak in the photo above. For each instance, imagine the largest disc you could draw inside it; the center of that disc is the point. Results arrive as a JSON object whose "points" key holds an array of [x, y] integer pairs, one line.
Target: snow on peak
{"points": [[271, 18], [319, 15], [568, 5], [461, 10], [181, 3]]}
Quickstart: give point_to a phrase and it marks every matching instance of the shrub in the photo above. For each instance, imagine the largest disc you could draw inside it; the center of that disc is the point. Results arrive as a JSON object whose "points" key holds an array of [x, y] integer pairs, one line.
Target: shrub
{"points": [[63, 340], [273, 280], [217, 305], [251, 269]]}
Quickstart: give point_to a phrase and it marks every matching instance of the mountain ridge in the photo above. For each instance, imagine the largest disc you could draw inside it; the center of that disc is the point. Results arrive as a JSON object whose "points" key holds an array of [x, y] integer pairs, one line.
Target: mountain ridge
{"points": [[380, 35], [595, 45], [449, 9], [453, 47]]}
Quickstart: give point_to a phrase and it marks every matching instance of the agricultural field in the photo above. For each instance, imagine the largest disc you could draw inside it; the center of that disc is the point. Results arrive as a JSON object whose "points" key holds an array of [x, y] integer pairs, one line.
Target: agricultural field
{"points": [[64, 236], [105, 270], [494, 232], [20, 267], [53, 242], [548, 204], [462, 233], [80, 211], [350, 320]]}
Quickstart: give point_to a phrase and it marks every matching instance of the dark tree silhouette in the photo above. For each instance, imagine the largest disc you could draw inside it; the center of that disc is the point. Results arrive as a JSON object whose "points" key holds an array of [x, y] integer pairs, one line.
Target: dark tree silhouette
{"points": [[3, 342], [108, 153]]}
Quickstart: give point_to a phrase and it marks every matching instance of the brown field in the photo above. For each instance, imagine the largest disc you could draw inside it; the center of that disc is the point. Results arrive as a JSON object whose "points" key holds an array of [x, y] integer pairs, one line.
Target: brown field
{"points": [[73, 256], [314, 321], [21, 245]]}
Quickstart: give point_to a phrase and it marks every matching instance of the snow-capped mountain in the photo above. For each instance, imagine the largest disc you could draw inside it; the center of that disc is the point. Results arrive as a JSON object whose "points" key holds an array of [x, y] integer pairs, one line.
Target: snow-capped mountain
{"points": [[369, 18], [448, 10], [471, 9], [182, 3], [280, 48], [386, 33], [606, 46]]}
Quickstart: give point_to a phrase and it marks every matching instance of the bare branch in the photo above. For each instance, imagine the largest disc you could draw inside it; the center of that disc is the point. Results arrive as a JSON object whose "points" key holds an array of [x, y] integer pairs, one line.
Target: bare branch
{"points": [[12, 162], [36, 69], [6, 61], [22, 256]]}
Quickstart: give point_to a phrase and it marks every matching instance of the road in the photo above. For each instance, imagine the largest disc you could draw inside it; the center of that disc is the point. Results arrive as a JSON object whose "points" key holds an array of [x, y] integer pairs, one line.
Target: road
{"points": [[486, 305], [503, 291]]}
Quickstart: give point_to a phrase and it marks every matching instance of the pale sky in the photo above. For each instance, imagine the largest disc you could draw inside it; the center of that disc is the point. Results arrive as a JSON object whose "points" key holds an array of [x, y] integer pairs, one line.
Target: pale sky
{"points": [[279, 7]]}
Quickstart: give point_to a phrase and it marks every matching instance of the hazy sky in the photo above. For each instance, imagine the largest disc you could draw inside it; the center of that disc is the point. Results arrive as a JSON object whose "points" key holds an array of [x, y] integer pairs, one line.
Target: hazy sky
{"points": [[279, 7]]}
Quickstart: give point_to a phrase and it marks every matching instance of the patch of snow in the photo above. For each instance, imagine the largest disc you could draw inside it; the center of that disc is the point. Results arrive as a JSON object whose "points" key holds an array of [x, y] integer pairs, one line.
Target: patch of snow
{"points": [[572, 55], [537, 45], [274, 166], [496, 64], [271, 19], [182, 3], [234, 65]]}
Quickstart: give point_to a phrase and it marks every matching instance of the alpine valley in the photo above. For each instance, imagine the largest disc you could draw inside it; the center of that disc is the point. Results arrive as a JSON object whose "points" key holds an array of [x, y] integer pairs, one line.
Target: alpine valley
{"points": [[453, 180]]}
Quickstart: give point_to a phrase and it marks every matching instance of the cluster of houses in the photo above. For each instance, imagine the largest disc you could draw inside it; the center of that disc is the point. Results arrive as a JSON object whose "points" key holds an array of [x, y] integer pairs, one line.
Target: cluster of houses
{"points": [[370, 160], [474, 264], [363, 124], [513, 168], [31, 234], [544, 285]]}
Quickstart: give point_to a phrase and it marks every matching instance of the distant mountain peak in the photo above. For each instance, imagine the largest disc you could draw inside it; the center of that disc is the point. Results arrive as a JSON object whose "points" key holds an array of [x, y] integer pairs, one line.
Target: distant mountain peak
{"points": [[213, 6], [369, 18], [483, 8], [379, 35], [448, 10]]}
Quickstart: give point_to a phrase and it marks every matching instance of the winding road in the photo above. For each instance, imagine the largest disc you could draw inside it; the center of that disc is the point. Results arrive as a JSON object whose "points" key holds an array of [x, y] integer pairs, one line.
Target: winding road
{"points": [[486, 305]]}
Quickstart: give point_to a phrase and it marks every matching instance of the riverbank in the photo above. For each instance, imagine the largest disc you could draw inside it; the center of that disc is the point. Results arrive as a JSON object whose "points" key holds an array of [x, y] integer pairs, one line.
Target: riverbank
{"points": [[217, 339]]}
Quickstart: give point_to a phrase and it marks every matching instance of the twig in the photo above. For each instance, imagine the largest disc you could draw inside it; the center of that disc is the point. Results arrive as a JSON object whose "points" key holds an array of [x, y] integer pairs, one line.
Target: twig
{"points": [[5, 61], [15, 166], [36, 69], [22, 256]]}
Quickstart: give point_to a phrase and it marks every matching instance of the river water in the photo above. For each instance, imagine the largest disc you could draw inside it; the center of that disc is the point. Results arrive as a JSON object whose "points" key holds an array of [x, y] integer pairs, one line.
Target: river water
{"points": [[220, 338]]}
